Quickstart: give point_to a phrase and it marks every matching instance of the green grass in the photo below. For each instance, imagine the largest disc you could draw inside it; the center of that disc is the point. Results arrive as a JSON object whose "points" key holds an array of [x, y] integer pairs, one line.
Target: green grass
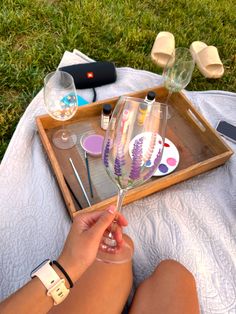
{"points": [[34, 35]]}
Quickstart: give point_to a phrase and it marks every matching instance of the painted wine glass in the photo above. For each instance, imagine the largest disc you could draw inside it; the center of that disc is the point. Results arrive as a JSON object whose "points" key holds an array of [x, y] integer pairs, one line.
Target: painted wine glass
{"points": [[132, 151], [178, 71], [61, 103]]}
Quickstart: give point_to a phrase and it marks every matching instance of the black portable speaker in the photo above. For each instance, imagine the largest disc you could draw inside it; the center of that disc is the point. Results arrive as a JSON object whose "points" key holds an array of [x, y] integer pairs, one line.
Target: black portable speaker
{"points": [[92, 74]]}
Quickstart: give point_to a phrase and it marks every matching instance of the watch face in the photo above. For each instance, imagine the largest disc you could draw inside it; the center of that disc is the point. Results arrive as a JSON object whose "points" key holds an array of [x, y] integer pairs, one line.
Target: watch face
{"points": [[47, 261]]}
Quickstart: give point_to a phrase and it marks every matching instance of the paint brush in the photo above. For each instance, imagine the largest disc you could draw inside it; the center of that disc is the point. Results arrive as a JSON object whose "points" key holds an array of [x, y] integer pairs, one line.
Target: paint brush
{"points": [[79, 181], [88, 173], [71, 191]]}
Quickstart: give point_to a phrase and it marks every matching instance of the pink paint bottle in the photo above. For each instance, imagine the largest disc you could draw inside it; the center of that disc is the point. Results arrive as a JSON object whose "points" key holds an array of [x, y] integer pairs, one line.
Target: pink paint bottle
{"points": [[124, 121]]}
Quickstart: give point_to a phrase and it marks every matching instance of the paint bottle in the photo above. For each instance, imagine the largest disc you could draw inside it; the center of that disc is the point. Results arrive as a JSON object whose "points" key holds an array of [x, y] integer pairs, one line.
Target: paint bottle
{"points": [[124, 121], [143, 108], [150, 98], [106, 116], [142, 113]]}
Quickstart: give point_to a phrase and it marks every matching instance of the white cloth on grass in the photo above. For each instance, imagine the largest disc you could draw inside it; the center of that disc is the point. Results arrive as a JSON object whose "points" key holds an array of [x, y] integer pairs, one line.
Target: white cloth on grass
{"points": [[192, 222]]}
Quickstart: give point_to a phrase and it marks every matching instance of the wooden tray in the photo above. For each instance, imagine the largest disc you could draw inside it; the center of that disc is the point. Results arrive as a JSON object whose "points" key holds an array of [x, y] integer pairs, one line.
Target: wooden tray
{"points": [[199, 145]]}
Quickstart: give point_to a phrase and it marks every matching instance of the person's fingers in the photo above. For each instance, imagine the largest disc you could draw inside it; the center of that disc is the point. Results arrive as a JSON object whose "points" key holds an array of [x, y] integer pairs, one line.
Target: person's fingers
{"points": [[103, 222], [86, 220], [118, 233], [121, 219]]}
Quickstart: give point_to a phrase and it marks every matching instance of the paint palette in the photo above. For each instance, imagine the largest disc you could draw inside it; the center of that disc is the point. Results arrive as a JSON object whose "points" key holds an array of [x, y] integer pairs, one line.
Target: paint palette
{"points": [[92, 143], [170, 159], [170, 156]]}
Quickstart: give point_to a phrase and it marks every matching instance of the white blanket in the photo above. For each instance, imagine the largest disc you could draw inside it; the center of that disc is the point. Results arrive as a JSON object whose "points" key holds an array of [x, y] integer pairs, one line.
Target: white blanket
{"points": [[192, 222]]}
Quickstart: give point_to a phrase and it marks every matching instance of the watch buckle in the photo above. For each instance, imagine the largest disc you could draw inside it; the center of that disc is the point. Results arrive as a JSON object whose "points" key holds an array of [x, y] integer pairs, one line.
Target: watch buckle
{"points": [[56, 290]]}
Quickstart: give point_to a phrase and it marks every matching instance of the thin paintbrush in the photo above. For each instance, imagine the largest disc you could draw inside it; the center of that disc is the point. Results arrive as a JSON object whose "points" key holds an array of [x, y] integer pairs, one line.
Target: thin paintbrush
{"points": [[79, 181], [71, 191], [88, 173]]}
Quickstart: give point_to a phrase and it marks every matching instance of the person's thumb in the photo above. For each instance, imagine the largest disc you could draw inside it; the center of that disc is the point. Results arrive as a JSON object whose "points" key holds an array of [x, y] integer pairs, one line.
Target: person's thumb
{"points": [[104, 221]]}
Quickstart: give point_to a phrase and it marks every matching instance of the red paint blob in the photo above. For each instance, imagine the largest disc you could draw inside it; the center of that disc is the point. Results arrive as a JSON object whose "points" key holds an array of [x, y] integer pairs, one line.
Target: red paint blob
{"points": [[166, 145]]}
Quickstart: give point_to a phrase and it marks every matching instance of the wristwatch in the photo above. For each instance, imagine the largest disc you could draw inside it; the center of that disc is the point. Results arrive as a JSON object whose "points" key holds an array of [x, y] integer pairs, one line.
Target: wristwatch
{"points": [[54, 284]]}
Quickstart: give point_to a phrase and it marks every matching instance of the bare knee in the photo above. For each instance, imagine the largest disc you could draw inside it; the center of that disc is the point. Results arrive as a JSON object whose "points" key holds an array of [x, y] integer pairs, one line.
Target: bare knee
{"points": [[170, 289], [168, 270], [174, 269], [172, 264]]}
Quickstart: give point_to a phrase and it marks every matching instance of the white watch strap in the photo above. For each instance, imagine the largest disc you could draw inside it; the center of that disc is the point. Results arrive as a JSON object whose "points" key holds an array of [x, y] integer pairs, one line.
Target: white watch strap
{"points": [[47, 275], [58, 292], [54, 284]]}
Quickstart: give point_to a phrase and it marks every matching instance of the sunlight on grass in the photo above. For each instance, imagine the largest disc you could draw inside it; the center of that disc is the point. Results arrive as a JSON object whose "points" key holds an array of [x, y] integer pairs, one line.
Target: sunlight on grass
{"points": [[35, 34]]}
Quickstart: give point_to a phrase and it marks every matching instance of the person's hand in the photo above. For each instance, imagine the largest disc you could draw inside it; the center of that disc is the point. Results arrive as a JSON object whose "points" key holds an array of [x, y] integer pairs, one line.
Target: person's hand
{"points": [[84, 238]]}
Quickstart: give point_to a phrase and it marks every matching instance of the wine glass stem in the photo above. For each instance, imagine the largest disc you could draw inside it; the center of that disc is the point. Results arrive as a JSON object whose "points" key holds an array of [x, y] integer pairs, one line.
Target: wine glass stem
{"points": [[121, 195], [120, 198], [167, 102], [64, 136], [168, 96]]}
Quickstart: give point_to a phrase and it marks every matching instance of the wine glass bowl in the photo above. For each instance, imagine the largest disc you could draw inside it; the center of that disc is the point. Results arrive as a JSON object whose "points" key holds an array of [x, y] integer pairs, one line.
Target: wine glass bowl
{"points": [[178, 70], [132, 151], [177, 73], [61, 103]]}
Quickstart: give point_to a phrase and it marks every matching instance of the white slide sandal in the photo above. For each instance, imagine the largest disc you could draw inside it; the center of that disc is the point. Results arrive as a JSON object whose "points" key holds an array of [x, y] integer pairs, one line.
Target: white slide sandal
{"points": [[163, 48], [207, 59]]}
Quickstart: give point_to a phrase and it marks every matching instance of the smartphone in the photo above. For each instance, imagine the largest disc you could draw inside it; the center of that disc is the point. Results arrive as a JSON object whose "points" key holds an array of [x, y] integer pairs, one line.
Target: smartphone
{"points": [[227, 130]]}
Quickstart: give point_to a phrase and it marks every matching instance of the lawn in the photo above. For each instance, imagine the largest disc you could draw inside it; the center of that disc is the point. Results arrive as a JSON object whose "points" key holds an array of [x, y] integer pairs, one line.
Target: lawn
{"points": [[34, 35]]}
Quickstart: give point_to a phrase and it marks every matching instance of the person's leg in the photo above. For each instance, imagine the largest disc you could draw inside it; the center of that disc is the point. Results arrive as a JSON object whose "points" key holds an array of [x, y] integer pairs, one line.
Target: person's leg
{"points": [[170, 289], [103, 289]]}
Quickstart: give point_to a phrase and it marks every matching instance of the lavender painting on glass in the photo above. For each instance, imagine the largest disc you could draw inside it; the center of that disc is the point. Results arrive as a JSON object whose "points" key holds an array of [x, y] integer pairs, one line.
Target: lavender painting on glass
{"points": [[132, 151]]}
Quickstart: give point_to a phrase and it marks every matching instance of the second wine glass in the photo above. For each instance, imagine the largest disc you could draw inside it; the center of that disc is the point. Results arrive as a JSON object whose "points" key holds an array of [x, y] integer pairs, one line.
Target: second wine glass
{"points": [[178, 71], [61, 103], [132, 151]]}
